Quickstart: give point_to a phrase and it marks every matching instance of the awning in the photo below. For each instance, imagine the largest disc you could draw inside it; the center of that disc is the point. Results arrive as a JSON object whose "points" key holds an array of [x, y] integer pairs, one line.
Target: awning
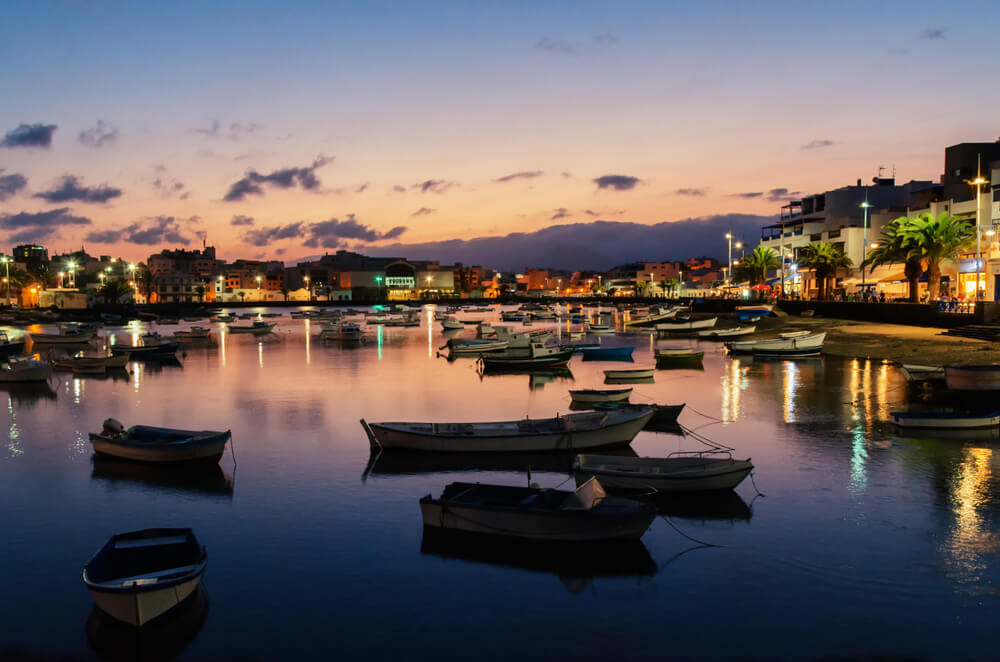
{"points": [[901, 278]]}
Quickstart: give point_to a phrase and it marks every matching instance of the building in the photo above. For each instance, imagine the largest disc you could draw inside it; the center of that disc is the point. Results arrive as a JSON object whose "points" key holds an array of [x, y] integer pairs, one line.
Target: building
{"points": [[181, 261], [32, 256], [179, 288]]}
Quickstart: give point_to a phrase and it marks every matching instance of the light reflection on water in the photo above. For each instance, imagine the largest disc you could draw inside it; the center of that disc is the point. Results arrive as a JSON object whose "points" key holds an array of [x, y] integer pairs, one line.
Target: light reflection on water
{"points": [[849, 507]]}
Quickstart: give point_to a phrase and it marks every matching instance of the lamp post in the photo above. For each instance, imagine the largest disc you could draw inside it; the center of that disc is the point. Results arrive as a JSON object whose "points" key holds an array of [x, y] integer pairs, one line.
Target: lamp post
{"points": [[131, 268], [378, 287], [71, 268], [729, 238], [61, 279], [258, 289], [651, 284], [6, 266], [308, 288], [864, 245], [978, 183], [739, 247]]}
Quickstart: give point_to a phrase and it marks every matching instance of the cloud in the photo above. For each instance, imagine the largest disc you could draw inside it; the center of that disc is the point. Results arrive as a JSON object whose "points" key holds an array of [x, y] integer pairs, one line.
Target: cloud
{"points": [[331, 233], [591, 212], [264, 236], [555, 46], [35, 226], [151, 232], [394, 232], [11, 184], [528, 174], [423, 211], [362, 188], [562, 212], [234, 130], [748, 196], [168, 186], [782, 195], [605, 39], [101, 135], [241, 220], [252, 183], [434, 185], [818, 144], [70, 189], [398, 189], [697, 192], [30, 135], [934, 33], [566, 175], [617, 182]]}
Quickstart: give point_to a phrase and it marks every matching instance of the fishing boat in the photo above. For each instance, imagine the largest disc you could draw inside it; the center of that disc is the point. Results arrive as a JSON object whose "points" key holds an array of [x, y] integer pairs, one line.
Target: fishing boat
{"points": [[344, 332], [586, 514], [588, 396], [809, 345], [537, 356], [151, 348], [9, 347], [600, 328], [928, 420], [136, 577], [916, 374], [669, 356], [96, 363], [520, 339], [747, 346], [24, 368], [732, 332], [609, 354], [762, 309], [664, 416], [471, 346], [144, 443], [685, 326], [972, 377], [630, 373], [512, 317], [194, 333], [257, 328], [677, 473], [67, 335], [576, 335], [451, 324], [580, 347], [650, 320], [410, 319], [572, 431]]}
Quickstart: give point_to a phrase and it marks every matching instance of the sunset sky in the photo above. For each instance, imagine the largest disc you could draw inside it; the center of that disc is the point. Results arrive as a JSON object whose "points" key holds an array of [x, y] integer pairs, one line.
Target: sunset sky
{"points": [[287, 129]]}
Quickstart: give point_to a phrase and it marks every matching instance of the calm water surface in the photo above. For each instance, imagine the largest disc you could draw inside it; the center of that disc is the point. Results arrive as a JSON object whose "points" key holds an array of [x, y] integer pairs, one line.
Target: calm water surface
{"points": [[865, 543]]}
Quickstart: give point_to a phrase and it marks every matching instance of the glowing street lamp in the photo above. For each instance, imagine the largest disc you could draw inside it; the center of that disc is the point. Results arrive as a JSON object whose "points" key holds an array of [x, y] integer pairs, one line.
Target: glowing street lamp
{"points": [[71, 268], [258, 288], [978, 183], [308, 288], [6, 266], [61, 279], [378, 287], [864, 246]]}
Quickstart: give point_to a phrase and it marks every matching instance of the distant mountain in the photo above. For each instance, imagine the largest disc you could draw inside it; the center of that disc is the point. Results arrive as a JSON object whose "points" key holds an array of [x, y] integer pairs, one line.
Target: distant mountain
{"points": [[598, 245]]}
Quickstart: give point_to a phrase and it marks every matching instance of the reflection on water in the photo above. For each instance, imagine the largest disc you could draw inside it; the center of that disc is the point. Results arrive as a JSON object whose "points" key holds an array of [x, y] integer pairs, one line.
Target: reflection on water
{"points": [[973, 539], [209, 481]]}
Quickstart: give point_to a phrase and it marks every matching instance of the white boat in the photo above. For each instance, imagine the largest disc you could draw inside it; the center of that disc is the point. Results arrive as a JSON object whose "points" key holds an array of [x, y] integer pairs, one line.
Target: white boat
{"points": [[678, 353], [757, 309], [630, 373], [576, 335], [645, 319], [600, 328], [915, 373], [732, 332], [811, 345], [451, 324], [915, 420], [522, 339], [344, 331], [586, 396], [469, 346], [138, 576], [587, 514], [66, 335], [796, 340], [680, 473], [24, 368], [572, 431], [96, 363], [194, 333], [144, 443], [794, 334], [692, 325], [972, 377], [257, 328]]}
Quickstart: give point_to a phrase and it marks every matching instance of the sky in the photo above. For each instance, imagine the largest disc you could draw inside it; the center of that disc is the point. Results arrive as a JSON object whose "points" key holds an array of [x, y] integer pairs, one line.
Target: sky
{"points": [[285, 129]]}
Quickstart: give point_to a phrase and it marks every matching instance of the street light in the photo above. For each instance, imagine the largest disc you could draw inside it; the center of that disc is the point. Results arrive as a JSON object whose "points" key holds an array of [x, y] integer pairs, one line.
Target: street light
{"points": [[61, 279], [71, 268], [258, 289], [864, 246], [378, 287], [651, 284], [6, 266], [978, 183], [308, 289], [739, 247], [729, 238]]}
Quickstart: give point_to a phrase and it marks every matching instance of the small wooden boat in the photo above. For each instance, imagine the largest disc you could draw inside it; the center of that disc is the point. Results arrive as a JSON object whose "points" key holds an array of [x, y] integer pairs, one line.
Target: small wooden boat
{"points": [[24, 368], [580, 347], [587, 396], [520, 339], [586, 514], [972, 377], [808, 345], [572, 431], [667, 356], [609, 354], [96, 363], [916, 374], [472, 347], [630, 373], [537, 356], [452, 324], [762, 309], [146, 443], [664, 416], [154, 348], [600, 328], [683, 327], [136, 577], [257, 328], [650, 320], [929, 420], [733, 332], [194, 333], [9, 347], [343, 332], [67, 335], [679, 473]]}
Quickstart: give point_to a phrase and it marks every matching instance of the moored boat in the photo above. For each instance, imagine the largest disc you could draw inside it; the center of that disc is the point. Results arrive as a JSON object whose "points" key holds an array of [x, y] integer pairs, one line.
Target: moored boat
{"points": [[146, 443], [66, 335], [732, 332], [650, 320], [630, 373], [451, 324], [762, 309], [472, 347], [664, 417], [623, 353], [194, 333], [668, 356], [680, 473], [24, 368], [809, 345], [344, 332], [916, 374], [927, 420], [136, 577], [689, 325], [84, 363], [9, 347], [257, 328], [972, 377], [537, 356], [587, 396]]}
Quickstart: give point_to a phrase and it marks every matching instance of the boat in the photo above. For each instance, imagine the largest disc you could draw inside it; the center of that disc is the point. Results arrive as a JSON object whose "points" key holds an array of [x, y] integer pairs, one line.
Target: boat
{"points": [[95, 363], [789, 337], [927, 420], [10, 347], [345, 331], [172, 321], [689, 325], [916, 374], [667, 356], [600, 328], [576, 335], [24, 368], [227, 317], [810, 345], [972, 377], [537, 356], [630, 373], [473, 346], [580, 347], [664, 416], [257, 328], [609, 353], [587, 396], [762, 309], [520, 339], [650, 320], [156, 348], [572, 431], [586, 514], [410, 319], [194, 333], [137, 576], [732, 332], [676, 473], [145, 443], [451, 324], [66, 335]]}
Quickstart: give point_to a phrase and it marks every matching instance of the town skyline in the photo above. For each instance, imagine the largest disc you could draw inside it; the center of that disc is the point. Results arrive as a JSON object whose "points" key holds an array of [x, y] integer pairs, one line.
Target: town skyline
{"points": [[162, 155]]}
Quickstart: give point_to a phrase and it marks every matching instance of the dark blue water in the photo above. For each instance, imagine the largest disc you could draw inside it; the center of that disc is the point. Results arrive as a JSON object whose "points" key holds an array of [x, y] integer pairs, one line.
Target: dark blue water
{"points": [[865, 543]]}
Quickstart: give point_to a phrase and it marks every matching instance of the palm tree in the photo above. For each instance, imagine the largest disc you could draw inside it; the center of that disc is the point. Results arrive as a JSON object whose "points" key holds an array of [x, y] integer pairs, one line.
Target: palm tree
{"points": [[640, 287], [754, 267], [673, 285], [891, 250], [824, 259], [114, 289], [935, 240]]}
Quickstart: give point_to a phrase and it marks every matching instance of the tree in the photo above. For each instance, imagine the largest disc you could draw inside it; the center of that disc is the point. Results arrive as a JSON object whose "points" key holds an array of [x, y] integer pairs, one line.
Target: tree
{"points": [[673, 285], [114, 289], [640, 287], [243, 296], [44, 275], [200, 291], [935, 240], [663, 285], [891, 250], [754, 267], [284, 292], [824, 259]]}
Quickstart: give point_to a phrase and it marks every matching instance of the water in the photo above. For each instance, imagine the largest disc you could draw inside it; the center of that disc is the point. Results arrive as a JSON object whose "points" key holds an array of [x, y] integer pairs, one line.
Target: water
{"points": [[866, 543]]}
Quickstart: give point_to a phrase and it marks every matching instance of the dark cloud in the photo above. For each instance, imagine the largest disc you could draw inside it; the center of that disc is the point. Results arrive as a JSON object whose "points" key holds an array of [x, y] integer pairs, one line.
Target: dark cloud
{"points": [[697, 192], [591, 212], [253, 182], [423, 211], [782, 195], [30, 135], [617, 182], [70, 189], [11, 184], [398, 189], [934, 33], [605, 39], [394, 232], [555, 46], [150, 232], [528, 174], [101, 135], [211, 131], [362, 188], [818, 144], [35, 226], [562, 212], [169, 186], [264, 236], [331, 233], [241, 220], [748, 196], [434, 185]]}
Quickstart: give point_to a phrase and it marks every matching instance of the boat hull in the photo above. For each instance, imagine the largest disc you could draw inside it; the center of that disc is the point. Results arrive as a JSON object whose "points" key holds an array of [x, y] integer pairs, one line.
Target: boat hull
{"points": [[69, 339], [705, 476], [208, 451], [533, 526], [915, 421], [36, 373], [11, 349], [600, 396], [972, 377], [630, 374], [137, 609]]}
